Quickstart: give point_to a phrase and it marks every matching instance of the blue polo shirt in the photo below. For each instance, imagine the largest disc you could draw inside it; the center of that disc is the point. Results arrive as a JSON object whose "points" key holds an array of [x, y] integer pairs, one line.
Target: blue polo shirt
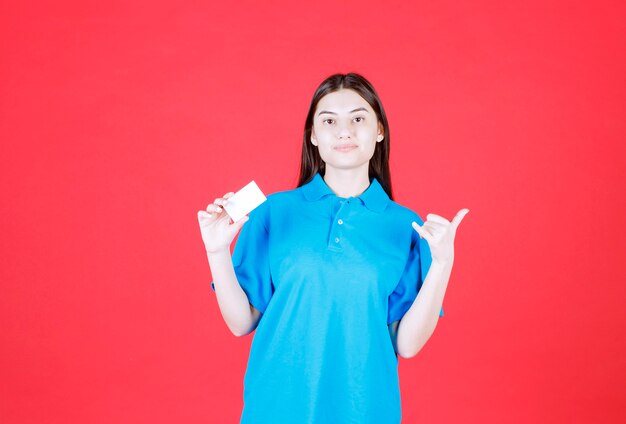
{"points": [[329, 274]]}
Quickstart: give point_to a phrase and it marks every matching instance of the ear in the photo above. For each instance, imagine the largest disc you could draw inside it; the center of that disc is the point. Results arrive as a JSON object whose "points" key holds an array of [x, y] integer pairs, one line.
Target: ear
{"points": [[381, 133], [313, 137]]}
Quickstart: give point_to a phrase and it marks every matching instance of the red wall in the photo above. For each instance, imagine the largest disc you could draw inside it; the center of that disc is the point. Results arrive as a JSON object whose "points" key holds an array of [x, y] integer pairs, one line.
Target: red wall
{"points": [[118, 122]]}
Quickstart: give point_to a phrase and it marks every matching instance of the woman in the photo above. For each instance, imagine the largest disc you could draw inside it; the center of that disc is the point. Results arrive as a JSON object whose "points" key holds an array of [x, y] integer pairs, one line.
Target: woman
{"points": [[336, 277]]}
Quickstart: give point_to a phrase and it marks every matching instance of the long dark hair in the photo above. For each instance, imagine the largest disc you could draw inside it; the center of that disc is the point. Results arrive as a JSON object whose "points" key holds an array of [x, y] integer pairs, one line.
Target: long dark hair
{"points": [[312, 163]]}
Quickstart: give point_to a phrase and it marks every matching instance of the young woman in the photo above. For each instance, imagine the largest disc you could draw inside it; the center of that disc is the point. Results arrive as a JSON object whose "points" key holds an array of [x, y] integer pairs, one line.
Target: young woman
{"points": [[336, 277]]}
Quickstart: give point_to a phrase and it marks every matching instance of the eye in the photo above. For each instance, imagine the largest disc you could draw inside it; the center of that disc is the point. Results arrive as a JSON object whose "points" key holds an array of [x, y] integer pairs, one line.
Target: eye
{"points": [[327, 120], [361, 118]]}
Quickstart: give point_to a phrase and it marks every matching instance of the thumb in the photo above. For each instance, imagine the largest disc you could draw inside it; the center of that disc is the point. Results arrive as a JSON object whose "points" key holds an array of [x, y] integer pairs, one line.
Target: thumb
{"points": [[237, 225]]}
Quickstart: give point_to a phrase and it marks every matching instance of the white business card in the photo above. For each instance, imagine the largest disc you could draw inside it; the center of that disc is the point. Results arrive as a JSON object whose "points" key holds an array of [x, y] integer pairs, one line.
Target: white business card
{"points": [[244, 201]]}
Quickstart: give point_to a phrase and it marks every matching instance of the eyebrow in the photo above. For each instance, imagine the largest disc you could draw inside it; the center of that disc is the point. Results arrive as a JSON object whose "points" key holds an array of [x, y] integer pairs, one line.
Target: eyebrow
{"points": [[354, 110]]}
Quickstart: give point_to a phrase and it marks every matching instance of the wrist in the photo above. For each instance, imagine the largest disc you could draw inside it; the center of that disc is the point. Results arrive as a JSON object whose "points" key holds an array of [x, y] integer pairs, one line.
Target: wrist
{"points": [[442, 263], [218, 252]]}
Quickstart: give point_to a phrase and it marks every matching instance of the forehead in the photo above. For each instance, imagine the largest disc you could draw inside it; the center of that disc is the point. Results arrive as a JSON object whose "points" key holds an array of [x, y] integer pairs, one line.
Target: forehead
{"points": [[342, 101]]}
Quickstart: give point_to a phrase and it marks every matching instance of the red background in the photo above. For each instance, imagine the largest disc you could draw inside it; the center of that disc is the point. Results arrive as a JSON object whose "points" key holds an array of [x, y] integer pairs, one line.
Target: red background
{"points": [[119, 121]]}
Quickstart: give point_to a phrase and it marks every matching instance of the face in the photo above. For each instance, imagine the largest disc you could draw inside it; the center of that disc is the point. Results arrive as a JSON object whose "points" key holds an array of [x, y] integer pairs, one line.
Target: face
{"points": [[345, 130]]}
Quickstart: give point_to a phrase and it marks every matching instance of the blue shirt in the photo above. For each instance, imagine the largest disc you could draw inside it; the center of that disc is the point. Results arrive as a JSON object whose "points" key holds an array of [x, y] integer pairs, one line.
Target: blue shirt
{"points": [[329, 274]]}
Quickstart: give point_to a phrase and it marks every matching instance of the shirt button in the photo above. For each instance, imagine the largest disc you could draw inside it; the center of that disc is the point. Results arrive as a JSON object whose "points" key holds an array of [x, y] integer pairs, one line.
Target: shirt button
{"points": [[336, 239], [340, 221]]}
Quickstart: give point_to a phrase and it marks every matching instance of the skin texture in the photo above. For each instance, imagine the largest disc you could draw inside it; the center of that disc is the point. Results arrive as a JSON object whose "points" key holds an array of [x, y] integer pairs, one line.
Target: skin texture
{"points": [[346, 170]]}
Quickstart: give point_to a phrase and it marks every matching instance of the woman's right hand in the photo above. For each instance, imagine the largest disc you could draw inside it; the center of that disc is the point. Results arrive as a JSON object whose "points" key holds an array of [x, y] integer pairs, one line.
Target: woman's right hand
{"points": [[218, 230]]}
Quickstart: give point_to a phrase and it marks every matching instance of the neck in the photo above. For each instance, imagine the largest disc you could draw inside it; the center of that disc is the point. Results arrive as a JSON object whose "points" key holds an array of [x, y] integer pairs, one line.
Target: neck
{"points": [[347, 182]]}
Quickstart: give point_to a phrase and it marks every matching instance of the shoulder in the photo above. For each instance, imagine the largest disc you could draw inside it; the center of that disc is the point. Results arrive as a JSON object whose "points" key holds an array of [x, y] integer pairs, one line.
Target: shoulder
{"points": [[276, 201], [403, 213], [286, 195], [283, 198], [405, 217]]}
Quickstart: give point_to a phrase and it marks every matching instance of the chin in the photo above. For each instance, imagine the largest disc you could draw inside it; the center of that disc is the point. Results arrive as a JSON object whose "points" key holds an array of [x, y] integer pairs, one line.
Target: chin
{"points": [[345, 165]]}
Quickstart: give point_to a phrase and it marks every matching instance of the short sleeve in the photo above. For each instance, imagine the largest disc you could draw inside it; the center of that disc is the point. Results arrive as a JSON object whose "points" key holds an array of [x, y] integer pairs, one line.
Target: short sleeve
{"points": [[251, 258], [415, 271]]}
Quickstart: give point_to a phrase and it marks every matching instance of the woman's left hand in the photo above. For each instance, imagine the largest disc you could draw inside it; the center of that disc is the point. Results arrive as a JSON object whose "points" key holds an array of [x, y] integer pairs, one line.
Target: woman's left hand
{"points": [[439, 233]]}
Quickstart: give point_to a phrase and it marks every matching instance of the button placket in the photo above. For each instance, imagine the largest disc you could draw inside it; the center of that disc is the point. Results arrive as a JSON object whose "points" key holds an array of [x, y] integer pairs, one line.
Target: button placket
{"points": [[336, 229]]}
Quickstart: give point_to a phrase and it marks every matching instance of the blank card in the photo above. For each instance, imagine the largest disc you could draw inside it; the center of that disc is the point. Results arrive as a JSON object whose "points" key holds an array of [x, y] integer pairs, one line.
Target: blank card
{"points": [[244, 201]]}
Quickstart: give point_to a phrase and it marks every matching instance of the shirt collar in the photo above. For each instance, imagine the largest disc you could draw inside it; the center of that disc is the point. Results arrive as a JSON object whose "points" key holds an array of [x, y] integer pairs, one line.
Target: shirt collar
{"points": [[374, 197]]}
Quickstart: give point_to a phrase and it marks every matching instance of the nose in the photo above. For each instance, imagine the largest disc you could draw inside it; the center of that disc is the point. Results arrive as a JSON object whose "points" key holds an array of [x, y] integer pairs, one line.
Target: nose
{"points": [[343, 131]]}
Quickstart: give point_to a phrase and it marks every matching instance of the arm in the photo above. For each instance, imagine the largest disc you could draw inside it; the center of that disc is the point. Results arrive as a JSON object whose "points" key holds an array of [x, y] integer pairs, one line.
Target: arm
{"points": [[412, 332], [217, 234], [240, 316], [419, 322]]}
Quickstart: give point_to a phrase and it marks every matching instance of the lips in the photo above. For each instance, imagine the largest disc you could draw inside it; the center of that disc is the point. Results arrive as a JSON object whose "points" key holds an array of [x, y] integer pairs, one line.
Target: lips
{"points": [[346, 147]]}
